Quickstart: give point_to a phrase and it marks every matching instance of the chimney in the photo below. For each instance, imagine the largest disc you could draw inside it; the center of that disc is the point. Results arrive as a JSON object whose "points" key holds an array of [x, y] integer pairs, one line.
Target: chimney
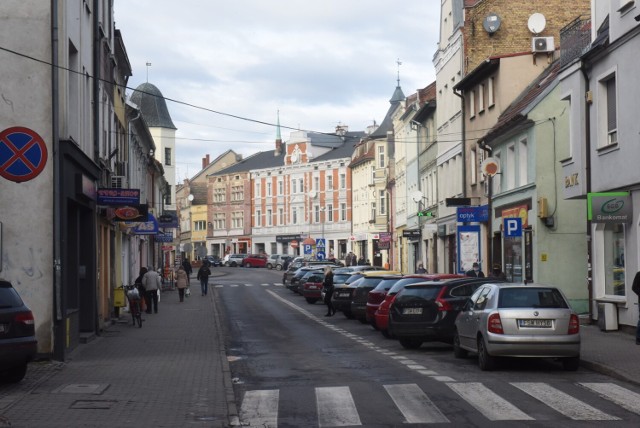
{"points": [[205, 161], [278, 151]]}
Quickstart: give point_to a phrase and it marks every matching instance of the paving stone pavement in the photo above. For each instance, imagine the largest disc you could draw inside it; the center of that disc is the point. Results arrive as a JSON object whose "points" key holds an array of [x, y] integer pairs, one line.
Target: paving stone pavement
{"points": [[172, 372]]}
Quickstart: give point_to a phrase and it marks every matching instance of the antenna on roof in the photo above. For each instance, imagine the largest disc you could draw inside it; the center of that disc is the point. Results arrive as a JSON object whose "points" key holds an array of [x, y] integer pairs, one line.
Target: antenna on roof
{"points": [[399, 64], [148, 65]]}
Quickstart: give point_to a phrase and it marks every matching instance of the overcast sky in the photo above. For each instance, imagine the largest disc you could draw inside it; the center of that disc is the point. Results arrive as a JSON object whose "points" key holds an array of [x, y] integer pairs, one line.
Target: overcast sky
{"points": [[317, 63]]}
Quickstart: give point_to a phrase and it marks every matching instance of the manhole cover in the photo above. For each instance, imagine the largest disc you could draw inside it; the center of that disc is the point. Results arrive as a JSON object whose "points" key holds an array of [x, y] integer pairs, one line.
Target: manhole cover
{"points": [[81, 388], [92, 404]]}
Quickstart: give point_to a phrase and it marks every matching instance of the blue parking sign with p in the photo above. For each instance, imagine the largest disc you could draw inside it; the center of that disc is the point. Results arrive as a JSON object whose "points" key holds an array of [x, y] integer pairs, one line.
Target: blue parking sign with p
{"points": [[308, 249], [512, 227]]}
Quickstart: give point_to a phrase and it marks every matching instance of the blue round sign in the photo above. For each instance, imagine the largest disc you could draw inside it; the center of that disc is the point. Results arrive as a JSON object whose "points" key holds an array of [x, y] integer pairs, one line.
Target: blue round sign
{"points": [[23, 154]]}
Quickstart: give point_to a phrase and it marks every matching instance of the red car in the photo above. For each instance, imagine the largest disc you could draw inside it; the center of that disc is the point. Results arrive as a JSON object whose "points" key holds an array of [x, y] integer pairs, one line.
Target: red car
{"points": [[381, 315], [312, 287], [255, 260], [376, 296]]}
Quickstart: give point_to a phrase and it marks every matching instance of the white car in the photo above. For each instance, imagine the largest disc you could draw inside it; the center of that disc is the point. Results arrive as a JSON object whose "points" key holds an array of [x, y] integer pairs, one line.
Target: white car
{"points": [[233, 260]]}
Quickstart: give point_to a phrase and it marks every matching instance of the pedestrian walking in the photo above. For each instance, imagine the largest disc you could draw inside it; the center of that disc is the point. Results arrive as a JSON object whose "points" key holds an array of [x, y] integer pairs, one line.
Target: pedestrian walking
{"points": [[141, 289], [347, 259], [496, 272], [186, 264], [421, 269], [354, 259], [182, 282], [361, 261], [152, 283], [328, 291], [203, 275], [475, 271], [636, 289]]}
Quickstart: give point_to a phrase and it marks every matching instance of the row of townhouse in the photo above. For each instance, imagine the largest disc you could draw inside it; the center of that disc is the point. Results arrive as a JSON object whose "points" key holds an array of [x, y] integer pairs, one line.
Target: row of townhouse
{"points": [[77, 160]]}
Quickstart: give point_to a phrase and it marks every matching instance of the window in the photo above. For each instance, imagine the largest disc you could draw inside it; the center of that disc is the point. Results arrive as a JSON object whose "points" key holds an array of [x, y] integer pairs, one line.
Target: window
{"points": [[294, 186], [481, 98], [258, 218], [382, 198], [373, 211], [343, 212], [343, 181], [329, 213], [316, 183], [258, 190], [219, 194], [301, 184], [497, 179], [269, 218], [472, 104], [167, 156], [522, 163], [490, 93], [473, 162], [316, 213], [167, 196], [330, 182], [611, 244], [373, 174], [280, 187], [280, 216], [237, 219], [200, 225], [511, 167], [294, 215], [269, 184], [237, 193], [381, 157], [219, 221], [612, 114]]}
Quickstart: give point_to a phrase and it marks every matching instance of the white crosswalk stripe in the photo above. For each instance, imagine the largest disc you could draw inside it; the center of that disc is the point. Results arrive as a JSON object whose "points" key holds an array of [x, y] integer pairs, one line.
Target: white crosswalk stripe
{"points": [[490, 404], [414, 404], [562, 402], [260, 408], [335, 406]]}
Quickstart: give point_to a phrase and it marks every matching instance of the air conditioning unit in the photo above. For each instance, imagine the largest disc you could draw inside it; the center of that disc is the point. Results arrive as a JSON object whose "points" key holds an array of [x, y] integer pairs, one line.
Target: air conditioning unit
{"points": [[542, 44], [118, 181]]}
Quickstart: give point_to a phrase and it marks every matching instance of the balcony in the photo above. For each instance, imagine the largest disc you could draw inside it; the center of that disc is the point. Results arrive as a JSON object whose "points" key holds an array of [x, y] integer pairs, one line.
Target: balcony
{"points": [[575, 40]]}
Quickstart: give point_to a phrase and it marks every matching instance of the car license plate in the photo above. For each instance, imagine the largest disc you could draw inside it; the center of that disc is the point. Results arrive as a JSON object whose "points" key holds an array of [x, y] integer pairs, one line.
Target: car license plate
{"points": [[343, 295], [535, 323], [412, 311], [313, 287]]}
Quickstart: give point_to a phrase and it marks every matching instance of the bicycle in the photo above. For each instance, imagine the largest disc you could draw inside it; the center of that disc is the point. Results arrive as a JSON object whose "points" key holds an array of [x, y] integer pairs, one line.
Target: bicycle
{"points": [[135, 304]]}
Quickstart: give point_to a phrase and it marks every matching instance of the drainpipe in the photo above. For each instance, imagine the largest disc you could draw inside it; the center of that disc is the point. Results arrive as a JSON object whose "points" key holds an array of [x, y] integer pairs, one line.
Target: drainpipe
{"points": [[587, 139], [464, 151], [483, 145], [97, 50], [58, 330]]}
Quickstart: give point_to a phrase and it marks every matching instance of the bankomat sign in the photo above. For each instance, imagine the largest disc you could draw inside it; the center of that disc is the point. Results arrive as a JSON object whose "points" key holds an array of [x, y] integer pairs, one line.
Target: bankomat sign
{"points": [[609, 207]]}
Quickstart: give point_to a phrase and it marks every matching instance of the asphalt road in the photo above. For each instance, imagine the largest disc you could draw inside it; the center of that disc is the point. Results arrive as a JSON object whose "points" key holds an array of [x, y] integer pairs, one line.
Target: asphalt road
{"points": [[294, 367]]}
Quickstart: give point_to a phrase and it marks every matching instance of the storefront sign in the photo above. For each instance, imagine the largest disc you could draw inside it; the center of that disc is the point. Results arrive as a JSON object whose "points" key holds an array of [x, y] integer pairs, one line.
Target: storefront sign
{"points": [[131, 213], [118, 196], [164, 237], [149, 227], [288, 238], [168, 220], [521, 211], [473, 214], [610, 207], [411, 234], [468, 247]]}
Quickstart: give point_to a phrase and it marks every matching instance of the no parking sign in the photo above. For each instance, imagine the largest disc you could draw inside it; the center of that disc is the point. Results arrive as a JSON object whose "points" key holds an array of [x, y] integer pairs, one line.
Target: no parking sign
{"points": [[23, 154]]}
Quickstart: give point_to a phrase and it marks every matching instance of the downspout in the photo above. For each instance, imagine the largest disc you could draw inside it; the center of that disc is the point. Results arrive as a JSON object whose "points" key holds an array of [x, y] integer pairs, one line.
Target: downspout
{"points": [[58, 310], [464, 151], [483, 145], [97, 51], [587, 141]]}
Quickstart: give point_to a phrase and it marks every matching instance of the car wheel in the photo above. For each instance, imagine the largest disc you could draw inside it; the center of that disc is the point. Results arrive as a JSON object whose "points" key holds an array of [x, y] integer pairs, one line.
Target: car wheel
{"points": [[311, 301], [248, 265], [485, 361], [16, 374], [571, 364], [348, 314], [278, 267], [410, 343], [234, 264], [269, 266], [385, 333], [458, 352]]}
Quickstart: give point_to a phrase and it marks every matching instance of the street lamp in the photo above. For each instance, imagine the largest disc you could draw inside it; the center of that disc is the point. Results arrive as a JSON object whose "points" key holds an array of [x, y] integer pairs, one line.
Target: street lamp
{"points": [[322, 217]]}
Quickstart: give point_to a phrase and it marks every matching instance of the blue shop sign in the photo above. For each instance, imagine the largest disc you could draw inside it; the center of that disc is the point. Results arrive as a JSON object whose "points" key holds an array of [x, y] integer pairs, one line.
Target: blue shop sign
{"points": [[477, 214]]}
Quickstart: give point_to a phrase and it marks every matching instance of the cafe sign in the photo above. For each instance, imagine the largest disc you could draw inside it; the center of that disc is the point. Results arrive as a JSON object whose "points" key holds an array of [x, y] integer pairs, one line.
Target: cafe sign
{"points": [[609, 207]]}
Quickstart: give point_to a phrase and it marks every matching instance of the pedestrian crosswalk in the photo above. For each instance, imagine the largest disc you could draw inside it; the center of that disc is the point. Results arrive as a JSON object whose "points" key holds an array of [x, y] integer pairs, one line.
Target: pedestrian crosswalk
{"points": [[410, 403]]}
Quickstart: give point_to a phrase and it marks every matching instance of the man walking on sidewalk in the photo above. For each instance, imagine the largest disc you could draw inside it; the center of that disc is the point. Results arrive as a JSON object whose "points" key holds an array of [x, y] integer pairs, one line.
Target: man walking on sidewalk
{"points": [[636, 289], [203, 276], [152, 283]]}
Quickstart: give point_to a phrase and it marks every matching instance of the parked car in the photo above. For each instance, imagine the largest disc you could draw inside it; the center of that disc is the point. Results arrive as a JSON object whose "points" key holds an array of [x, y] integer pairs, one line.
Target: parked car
{"points": [[509, 320], [255, 260], [276, 261], [340, 276], [361, 293], [233, 260], [382, 313], [18, 344], [213, 260], [426, 311], [312, 284], [291, 278], [343, 293]]}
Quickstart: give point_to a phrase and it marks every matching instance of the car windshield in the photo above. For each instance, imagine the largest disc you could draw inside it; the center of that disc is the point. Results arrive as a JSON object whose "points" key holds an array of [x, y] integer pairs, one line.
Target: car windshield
{"points": [[402, 283], [531, 297], [386, 284], [412, 294]]}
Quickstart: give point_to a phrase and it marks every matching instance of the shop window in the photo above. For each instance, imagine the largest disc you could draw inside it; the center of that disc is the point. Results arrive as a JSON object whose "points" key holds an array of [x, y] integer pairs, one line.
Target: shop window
{"points": [[610, 240]]}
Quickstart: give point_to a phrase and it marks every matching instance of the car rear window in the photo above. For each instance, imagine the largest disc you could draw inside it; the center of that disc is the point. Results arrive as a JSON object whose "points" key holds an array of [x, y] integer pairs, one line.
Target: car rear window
{"points": [[401, 284], [340, 278], [9, 298], [428, 292], [369, 282], [531, 297], [386, 284]]}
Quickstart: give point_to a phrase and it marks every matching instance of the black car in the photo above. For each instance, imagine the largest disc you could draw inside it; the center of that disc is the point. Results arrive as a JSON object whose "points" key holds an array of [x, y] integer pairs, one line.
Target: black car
{"points": [[361, 294], [18, 344], [343, 292], [427, 311], [213, 260], [291, 279]]}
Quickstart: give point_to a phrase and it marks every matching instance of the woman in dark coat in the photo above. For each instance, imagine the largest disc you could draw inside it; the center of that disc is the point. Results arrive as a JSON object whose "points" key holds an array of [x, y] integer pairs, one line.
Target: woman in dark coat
{"points": [[328, 291]]}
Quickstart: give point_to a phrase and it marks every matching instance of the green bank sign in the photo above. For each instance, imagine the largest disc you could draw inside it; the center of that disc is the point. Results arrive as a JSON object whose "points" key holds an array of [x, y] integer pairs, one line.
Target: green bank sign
{"points": [[610, 207]]}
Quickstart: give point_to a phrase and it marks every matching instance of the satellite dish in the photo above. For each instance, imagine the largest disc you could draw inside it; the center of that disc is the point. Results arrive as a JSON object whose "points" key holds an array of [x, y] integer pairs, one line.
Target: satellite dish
{"points": [[416, 196], [491, 23], [536, 23], [312, 194], [190, 197], [490, 167]]}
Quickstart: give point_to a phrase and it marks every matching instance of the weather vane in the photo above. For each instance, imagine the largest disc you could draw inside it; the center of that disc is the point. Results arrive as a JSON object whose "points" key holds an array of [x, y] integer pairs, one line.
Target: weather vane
{"points": [[399, 64], [148, 65]]}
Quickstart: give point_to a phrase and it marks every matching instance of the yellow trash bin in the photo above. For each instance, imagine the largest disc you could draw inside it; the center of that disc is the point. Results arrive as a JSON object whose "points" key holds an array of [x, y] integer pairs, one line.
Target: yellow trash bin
{"points": [[119, 298]]}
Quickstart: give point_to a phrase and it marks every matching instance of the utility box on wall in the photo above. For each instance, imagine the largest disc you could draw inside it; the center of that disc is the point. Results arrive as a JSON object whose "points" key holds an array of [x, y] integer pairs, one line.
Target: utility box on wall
{"points": [[607, 316]]}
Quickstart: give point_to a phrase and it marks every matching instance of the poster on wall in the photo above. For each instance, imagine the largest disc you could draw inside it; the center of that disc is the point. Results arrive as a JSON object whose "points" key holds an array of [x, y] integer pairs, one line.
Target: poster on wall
{"points": [[468, 247]]}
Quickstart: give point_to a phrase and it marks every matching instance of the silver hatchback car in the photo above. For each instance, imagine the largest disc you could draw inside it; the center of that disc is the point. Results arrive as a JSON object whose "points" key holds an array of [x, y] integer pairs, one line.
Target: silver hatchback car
{"points": [[518, 320]]}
